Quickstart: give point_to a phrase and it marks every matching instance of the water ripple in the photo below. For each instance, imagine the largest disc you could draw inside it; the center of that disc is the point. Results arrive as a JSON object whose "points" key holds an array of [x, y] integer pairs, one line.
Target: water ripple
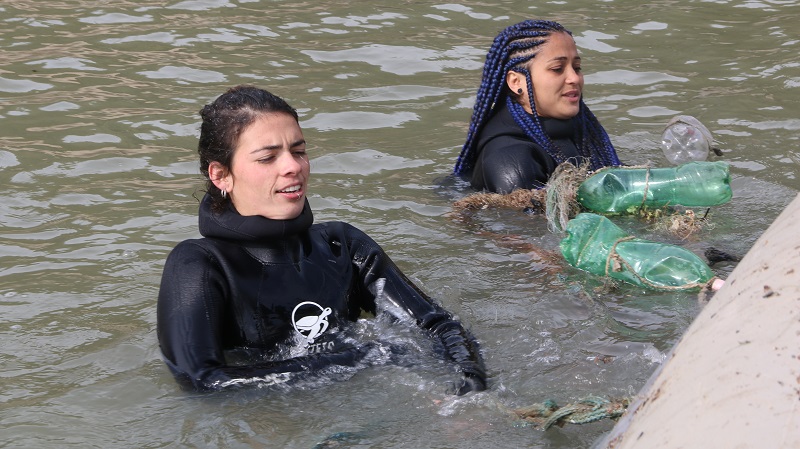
{"points": [[184, 74], [21, 86], [358, 120], [404, 60]]}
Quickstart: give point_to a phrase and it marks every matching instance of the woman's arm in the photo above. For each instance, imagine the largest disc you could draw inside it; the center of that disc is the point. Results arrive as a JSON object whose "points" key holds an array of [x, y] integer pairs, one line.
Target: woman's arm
{"points": [[381, 277], [507, 163]]}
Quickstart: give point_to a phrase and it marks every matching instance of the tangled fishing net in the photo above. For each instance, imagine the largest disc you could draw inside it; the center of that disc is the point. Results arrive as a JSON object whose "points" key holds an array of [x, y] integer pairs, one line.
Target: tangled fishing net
{"points": [[557, 200], [681, 224], [584, 411], [518, 199]]}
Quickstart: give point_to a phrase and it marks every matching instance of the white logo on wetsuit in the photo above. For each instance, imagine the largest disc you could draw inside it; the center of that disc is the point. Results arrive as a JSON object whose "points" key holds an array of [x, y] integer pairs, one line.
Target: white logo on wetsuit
{"points": [[312, 323]]}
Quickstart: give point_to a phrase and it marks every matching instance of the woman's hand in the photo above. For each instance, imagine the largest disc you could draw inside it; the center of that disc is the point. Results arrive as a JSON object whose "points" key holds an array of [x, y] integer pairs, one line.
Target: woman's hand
{"points": [[471, 382]]}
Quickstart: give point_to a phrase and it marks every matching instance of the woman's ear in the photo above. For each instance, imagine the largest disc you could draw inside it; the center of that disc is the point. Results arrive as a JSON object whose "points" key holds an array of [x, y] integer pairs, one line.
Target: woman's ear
{"points": [[519, 89], [515, 81], [220, 176]]}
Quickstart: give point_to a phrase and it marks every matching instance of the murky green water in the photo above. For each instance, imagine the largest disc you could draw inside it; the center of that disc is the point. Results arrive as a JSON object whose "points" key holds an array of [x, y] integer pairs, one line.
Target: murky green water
{"points": [[98, 123]]}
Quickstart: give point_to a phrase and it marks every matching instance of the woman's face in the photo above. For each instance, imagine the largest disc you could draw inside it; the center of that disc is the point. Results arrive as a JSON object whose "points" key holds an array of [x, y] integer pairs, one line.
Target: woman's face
{"points": [[557, 78], [269, 170]]}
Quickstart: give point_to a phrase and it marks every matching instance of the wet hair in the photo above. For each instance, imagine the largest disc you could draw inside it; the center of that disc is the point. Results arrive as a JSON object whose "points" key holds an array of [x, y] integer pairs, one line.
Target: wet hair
{"points": [[512, 49], [224, 120]]}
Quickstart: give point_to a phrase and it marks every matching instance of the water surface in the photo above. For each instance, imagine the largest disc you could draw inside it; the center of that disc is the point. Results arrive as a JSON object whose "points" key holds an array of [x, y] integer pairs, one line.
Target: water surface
{"points": [[98, 128]]}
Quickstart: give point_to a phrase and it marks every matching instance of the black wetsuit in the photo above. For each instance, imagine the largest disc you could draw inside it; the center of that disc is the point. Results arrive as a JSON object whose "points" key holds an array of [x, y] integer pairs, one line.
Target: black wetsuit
{"points": [[508, 159], [261, 287]]}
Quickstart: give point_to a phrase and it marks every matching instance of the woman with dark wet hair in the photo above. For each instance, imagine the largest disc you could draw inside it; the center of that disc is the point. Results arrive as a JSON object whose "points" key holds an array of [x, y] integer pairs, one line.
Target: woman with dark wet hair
{"points": [[266, 296]]}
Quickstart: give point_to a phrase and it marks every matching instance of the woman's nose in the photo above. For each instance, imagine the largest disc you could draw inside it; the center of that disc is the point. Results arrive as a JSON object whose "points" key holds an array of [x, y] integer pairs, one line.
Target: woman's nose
{"points": [[289, 164], [573, 76]]}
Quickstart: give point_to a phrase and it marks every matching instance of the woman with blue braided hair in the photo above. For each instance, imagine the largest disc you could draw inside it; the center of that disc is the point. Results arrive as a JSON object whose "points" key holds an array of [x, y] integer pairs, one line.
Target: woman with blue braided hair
{"points": [[529, 115]]}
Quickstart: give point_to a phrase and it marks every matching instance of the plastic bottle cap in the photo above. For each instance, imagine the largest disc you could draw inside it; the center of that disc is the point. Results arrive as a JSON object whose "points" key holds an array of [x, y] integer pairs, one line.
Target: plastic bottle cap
{"points": [[685, 139]]}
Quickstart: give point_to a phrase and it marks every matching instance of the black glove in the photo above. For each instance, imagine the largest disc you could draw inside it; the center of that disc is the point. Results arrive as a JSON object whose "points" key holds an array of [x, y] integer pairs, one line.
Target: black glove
{"points": [[471, 382]]}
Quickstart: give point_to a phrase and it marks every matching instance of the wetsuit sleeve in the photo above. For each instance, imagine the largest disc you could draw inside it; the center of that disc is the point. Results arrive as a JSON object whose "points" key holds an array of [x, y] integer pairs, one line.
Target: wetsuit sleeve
{"points": [[191, 316], [508, 163], [383, 280]]}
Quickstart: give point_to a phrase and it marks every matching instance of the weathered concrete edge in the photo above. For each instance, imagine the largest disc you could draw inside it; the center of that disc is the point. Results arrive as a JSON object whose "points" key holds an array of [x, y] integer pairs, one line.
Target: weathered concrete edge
{"points": [[733, 380]]}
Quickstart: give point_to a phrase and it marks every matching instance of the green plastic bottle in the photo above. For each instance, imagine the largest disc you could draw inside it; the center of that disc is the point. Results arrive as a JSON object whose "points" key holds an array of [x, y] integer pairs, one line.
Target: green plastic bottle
{"points": [[621, 190], [595, 244]]}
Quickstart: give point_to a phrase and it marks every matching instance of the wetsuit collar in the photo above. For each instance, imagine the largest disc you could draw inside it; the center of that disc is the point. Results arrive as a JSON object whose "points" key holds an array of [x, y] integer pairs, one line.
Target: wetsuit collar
{"points": [[230, 225], [558, 128]]}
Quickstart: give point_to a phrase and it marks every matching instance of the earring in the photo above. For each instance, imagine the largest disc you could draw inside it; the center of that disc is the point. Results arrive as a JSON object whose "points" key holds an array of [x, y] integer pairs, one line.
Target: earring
{"points": [[224, 193], [519, 91]]}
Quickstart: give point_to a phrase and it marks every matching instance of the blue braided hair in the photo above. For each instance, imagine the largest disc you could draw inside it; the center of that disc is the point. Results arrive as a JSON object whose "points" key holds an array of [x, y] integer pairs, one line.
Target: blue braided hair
{"points": [[511, 50]]}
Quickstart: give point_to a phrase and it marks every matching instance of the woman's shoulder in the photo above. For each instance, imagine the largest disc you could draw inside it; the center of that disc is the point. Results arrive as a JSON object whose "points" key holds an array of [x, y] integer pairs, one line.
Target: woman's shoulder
{"points": [[342, 231], [336, 227], [188, 258], [191, 249], [502, 130]]}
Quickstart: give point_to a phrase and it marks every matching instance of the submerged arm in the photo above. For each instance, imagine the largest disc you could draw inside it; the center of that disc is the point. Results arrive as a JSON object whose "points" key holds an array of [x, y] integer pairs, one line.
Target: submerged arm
{"points": [[377, 270]]}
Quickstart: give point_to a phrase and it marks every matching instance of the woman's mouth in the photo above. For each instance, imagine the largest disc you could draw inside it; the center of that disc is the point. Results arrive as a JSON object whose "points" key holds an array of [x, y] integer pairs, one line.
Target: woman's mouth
{"points": [[295, 190]]}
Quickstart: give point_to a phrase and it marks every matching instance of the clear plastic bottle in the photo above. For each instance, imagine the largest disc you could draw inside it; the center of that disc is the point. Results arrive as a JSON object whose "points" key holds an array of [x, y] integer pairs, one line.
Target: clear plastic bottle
{"points": [[685, 139], [620, 190], [595, 244]]}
